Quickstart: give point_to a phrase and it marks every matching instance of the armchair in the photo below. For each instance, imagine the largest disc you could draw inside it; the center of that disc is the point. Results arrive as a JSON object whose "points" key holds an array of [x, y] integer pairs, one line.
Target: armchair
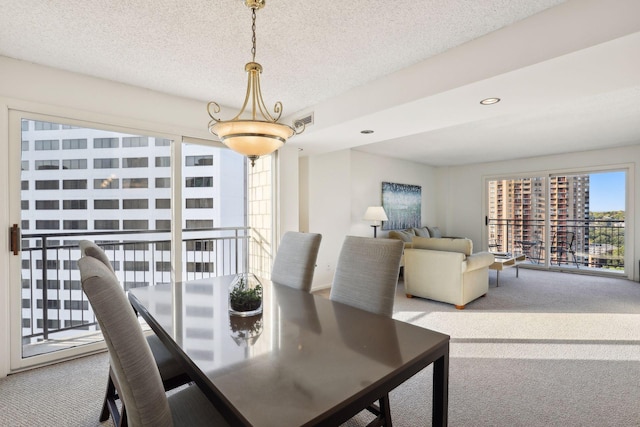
{"points": [[446, 270]]}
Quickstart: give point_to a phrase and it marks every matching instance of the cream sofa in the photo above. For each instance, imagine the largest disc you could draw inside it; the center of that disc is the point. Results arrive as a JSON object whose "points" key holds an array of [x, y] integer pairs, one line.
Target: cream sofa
{"points": [[446, 270]]}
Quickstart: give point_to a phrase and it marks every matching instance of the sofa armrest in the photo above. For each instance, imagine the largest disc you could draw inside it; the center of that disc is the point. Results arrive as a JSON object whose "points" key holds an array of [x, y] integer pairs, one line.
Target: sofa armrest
{"points": [[479, 260]]}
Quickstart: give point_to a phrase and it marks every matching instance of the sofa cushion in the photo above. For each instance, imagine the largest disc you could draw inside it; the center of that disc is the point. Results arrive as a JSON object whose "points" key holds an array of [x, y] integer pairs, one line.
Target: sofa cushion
{"points": [[404, 235], [463, 246], [422, 232], [434, 232]]}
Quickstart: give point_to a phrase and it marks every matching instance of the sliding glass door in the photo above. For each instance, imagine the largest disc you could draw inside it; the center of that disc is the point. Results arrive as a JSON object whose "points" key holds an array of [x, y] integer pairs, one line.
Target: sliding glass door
{"points": [[117, 187], [560, 221]]}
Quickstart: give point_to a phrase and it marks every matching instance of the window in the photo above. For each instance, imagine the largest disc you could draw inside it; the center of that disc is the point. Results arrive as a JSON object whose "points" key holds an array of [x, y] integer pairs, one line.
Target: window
{"points": [[45, 126], [51, 323], [25, 146], [199, 160], [74, 144], [200, 267], [199, 203], [163, 182], [199, 223], [74, 184], [25, 224], [52, 303], [47, 165], [70, 265], [163, 266], [24, 205], [52, 184], [106, 163], [199, 181], [24, 165], [135, 141], [106, 204], [135, 162], [74, 204], [47, 204], [136, 266], [135, 204], [26, 303], [76, 305], [106, 224], [74, 164], [105, 143], [135, 183], [163, 224], [25, 125], [162, 142], [200, 245], [47, 144], [163, 203], [74, 224], [24, 185], [72, 284], [163, 162], [50, 224], [135, 224], [52, 264], [107, 183]]}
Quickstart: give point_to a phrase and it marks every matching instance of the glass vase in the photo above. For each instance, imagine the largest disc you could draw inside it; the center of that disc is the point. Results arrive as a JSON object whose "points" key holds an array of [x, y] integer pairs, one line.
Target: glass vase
{"points": [[245, 295]]}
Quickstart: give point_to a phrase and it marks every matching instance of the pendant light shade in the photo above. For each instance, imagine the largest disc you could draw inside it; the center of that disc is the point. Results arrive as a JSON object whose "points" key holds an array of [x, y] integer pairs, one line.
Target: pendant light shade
{"points": [[256, 132]]}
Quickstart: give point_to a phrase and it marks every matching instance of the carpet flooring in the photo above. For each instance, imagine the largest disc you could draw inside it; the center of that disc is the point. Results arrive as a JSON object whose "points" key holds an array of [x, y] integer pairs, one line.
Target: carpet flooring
{"points": [[544, 349]]}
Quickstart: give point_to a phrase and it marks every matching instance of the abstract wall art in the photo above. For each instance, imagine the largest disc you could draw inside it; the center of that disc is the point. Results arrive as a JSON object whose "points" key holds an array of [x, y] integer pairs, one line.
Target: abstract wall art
{"points": [[402, 203]]}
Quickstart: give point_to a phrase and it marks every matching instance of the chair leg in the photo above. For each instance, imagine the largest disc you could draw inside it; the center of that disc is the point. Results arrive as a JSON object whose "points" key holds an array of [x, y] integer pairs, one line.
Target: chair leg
{"points": [[110, 408], [382, 411]]}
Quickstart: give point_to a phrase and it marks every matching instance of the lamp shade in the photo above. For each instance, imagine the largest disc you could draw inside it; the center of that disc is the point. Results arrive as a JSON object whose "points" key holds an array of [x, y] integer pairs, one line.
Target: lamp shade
{"points": [[375, 213]]}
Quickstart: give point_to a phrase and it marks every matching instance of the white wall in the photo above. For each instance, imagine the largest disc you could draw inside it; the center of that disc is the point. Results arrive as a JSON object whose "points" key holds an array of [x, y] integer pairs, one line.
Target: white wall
{"points": [[461, 201], [340, 187]]}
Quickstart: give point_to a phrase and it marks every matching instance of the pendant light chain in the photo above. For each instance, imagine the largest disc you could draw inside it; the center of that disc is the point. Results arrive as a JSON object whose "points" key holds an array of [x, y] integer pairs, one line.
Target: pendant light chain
{"points": [[253, 29]]}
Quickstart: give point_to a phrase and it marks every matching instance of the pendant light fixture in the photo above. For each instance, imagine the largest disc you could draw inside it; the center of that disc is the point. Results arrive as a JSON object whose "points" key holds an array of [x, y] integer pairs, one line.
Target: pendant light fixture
{"points": [[255, 132]]}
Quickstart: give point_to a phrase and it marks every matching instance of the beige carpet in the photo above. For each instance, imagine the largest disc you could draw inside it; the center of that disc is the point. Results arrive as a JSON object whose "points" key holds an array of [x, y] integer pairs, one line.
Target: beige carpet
{"points": [[545, 349]]}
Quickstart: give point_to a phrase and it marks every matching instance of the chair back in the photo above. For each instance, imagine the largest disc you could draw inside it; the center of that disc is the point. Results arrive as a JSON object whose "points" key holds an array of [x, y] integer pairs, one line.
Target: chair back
{"points": [[139, 382], [295, 260], [367, 274], [89, 248]]}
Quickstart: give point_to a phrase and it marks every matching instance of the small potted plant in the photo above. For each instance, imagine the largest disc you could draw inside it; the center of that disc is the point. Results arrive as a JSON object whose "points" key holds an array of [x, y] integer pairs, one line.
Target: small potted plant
{"points": [[245, 295]]}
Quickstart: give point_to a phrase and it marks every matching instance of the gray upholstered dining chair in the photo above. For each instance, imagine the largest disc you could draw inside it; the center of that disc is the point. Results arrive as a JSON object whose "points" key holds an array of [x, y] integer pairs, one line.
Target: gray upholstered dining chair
{"points": [[366, 277], [136, 375], [171, 372], [295, 260]]}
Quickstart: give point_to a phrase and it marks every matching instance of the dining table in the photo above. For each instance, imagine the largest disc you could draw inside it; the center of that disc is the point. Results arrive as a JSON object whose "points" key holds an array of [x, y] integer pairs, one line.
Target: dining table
{"points": [[304, 361]]}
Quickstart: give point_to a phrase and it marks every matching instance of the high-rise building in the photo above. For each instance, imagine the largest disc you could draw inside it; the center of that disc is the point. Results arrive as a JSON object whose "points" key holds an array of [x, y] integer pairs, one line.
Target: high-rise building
{"points": [[518, 210], [78, 180]]}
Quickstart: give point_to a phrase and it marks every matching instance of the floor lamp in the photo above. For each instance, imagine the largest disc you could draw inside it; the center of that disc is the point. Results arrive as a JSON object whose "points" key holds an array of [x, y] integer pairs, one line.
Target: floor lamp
{"points": [[377, 215]]}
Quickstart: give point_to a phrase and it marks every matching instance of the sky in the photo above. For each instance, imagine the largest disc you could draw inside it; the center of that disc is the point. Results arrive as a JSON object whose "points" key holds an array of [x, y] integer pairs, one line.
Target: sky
{"points": [[606, 191]]}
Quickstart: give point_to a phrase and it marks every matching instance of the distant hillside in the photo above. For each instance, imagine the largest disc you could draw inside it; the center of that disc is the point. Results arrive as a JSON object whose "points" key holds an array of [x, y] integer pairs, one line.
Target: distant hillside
{"points": [[609, 215]]}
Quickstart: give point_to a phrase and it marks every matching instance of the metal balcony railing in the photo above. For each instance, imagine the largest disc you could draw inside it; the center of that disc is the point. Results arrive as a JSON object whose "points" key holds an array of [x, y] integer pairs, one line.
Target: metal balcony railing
{"points": [[53, 303], [591, 243]]}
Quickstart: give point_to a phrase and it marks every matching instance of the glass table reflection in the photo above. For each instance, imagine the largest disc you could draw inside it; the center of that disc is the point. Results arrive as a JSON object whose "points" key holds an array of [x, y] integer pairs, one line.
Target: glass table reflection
{"points": [[304, 361]]}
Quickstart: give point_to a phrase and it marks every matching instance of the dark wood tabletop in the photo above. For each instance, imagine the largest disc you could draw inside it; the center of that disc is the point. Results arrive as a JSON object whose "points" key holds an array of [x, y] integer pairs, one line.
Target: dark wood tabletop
{"points": [[305, 360]]}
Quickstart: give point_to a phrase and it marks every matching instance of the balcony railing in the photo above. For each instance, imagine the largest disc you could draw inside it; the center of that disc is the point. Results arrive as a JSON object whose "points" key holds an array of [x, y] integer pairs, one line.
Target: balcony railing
{"points": [[591, 243], [53, 304]]}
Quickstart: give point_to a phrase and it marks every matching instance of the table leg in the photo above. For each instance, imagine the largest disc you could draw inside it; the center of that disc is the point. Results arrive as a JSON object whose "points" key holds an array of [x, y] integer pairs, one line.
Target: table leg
{"points": [[497, 278], [441, 390]]}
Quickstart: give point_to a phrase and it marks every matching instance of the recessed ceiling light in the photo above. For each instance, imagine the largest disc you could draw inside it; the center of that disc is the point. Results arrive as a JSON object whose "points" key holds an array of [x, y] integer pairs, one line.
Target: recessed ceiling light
{"points": [[366, 131], [489, 101]]}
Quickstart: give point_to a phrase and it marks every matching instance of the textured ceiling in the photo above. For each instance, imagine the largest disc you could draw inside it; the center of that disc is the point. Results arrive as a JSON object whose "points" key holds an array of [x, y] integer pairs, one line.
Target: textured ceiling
{"points": [[393, 66]]}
